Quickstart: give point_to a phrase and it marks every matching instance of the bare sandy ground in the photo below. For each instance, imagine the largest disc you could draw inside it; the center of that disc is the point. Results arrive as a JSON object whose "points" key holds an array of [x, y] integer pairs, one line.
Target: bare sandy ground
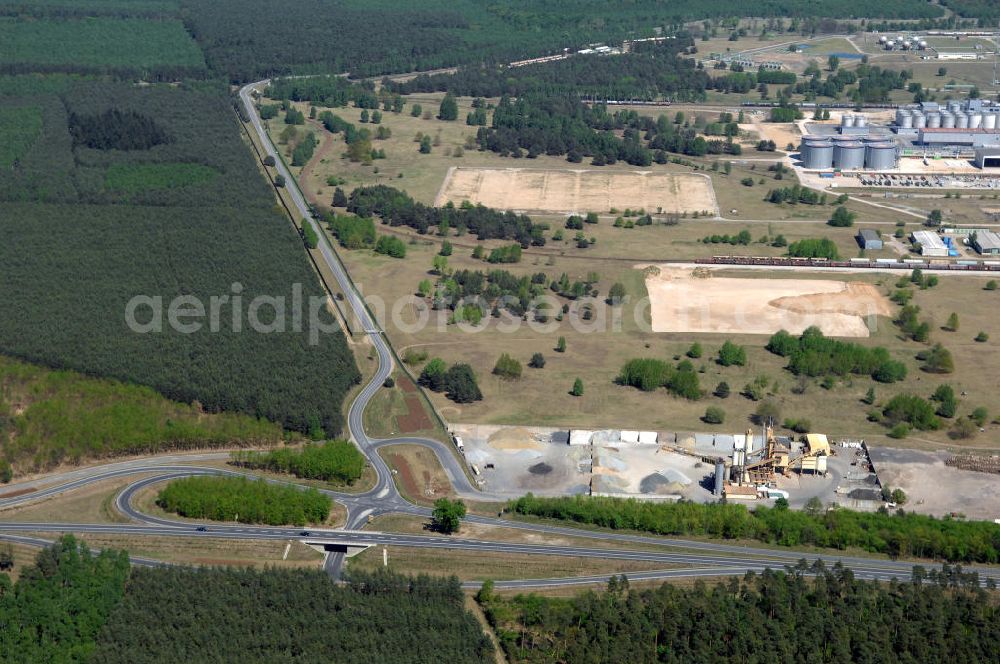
{"points": [[697, 300], [578, 191], [932, 487]]}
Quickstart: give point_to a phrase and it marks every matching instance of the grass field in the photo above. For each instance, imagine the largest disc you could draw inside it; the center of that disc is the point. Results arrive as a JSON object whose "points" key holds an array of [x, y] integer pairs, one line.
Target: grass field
{"points": [[495, 566], [93, 503], [208, 550], [98, 42], [541, 396]]}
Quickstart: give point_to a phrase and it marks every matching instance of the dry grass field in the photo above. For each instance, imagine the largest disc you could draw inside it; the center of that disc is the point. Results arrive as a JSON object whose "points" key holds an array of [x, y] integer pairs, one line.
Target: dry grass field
{"points": [[577, 191], [541, 396]]}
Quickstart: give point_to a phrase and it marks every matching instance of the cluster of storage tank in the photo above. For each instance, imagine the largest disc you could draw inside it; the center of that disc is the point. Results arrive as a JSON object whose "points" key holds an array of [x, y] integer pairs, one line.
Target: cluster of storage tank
{"points": [[853, 121], [952, 117], [848, 154], [902, 43]]}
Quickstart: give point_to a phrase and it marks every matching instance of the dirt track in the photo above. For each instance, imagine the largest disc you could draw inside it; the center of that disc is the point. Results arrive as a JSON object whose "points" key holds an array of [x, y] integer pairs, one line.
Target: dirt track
{"points": [[696, 300]]}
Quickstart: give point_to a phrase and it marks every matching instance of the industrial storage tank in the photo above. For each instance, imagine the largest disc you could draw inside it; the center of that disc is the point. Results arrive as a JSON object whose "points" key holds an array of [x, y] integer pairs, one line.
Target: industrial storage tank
{"points": [[919, 120], [933, 120], [847, 121], [817, 153], [961, 121], [881, 155], [954, 106], [990, 121], [975, 120], [901, 113], [860, 121], [849, 155], [907, 121], [947, 121]]}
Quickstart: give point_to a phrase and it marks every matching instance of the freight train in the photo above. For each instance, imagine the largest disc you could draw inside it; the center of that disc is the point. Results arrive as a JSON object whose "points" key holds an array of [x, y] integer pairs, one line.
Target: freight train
{"points": [[874, 263]]}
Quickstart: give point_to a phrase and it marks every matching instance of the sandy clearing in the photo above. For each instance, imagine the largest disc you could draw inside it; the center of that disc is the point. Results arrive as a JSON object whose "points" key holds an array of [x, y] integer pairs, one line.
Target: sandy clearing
{"points": [[578, 190], [696, 300]]}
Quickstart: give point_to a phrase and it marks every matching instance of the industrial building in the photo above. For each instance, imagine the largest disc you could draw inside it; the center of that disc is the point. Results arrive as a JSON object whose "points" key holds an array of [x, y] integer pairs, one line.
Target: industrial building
{"points": [[970, 123], [988, 156], [848, 154], [930, 243], [986, 243], [751, 472], [869, 239]]}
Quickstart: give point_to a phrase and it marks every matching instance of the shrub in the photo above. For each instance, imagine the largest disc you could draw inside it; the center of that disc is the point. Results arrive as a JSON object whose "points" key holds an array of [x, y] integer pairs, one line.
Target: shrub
{"points": [[714, 415], [722, 390], [912, 410], [694, 351], [537, 361], [577, 390], [798, 425], [982, 337], [507, 367], [732, 355], [842, 218]]}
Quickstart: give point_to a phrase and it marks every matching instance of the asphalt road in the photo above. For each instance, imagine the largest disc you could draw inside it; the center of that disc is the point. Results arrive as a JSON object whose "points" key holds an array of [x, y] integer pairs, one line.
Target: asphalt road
{"points": [[696, 558]]}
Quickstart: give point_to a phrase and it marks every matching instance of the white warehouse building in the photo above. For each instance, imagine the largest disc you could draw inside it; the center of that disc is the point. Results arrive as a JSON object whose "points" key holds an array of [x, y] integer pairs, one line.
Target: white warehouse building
{"points": [[930, 244]]}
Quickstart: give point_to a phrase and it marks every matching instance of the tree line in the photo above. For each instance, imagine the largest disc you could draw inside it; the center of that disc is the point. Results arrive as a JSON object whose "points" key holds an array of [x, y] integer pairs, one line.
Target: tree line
{"points": [[397, 208], [895, 534], [814, 354], [334, 461]]}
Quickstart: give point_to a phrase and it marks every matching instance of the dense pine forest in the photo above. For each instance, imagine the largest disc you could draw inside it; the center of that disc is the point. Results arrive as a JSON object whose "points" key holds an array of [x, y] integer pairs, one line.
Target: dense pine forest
{"points": [[116, 196], [252, 39], [899, 534], [216, 616], [73, 606], [768, 618]]}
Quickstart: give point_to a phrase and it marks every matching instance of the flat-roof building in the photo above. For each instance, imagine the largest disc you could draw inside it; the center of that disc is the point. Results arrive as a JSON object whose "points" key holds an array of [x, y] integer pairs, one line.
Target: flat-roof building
{"points": [[988, 157], [869, 239], [986, 243], [930, 243]]}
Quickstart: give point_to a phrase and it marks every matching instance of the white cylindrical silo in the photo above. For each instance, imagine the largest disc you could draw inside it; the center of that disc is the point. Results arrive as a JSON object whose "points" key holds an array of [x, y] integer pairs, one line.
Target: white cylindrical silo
{"points": [[975, 120], [947, 120], [817, 153], [860, 121], [900, 114], [907, 122], [961, 121], [990, 121], [954, 106], [847, 120], [933, 120], [919, 120]]}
